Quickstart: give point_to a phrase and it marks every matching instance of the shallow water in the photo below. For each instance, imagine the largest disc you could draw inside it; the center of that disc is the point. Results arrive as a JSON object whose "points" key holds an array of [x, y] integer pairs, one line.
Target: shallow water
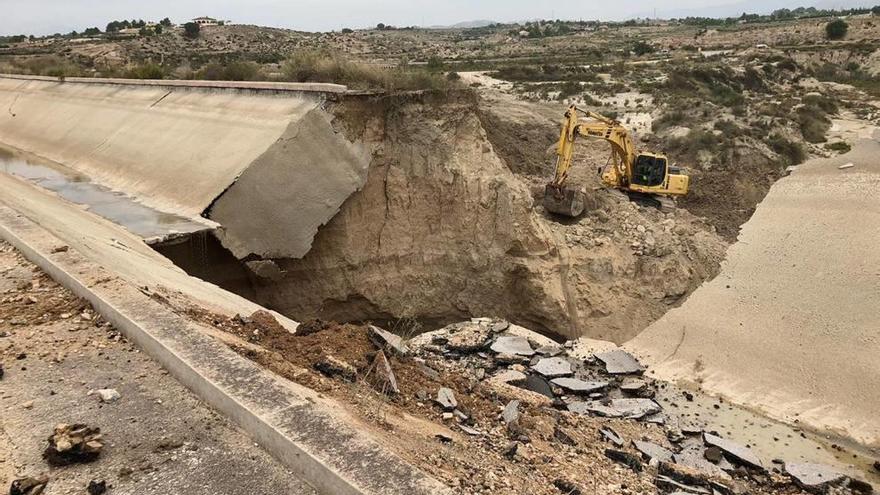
{"points": [[112, 205]]}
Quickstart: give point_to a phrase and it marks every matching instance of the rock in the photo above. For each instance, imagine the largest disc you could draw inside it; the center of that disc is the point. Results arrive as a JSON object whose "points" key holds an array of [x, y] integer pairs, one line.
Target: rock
{"points": [[510, 451], [510, 415], [508, 376], [734, 451], [60, 249], [611, 435], [651, 451], [384, 339], [550, 350], [578, 386], [383, 376], [334, 367], [814, 478], [625, 458], [28, 405], [512, 345], [846, 166], [635, 408], [537, 384], [470, 431], [553, 367], [427, 371], [713, 455], [108, 394], [446, 399], [97, 487], [877, 465], [619, 362], [73, 444], [1, 371], [28, 486], [443, 438], [684, 474]]}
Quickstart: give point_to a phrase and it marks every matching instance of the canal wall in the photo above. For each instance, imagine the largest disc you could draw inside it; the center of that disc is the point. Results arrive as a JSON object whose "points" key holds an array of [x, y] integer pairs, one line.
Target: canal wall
{"points": [[180, 146]]}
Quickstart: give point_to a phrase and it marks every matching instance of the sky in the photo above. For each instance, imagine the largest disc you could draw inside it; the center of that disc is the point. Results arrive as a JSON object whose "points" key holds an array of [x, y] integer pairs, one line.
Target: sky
{"points": [[62, 16]]}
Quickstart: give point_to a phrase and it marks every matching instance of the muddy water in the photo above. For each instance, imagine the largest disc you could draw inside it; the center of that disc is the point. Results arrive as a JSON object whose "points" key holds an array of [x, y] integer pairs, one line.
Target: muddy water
{"points": [[771, 440], [114, 206]]}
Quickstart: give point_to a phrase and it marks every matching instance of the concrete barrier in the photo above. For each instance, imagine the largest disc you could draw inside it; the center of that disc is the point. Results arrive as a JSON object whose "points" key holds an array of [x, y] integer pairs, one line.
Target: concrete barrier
{"points": [[177, 146]]}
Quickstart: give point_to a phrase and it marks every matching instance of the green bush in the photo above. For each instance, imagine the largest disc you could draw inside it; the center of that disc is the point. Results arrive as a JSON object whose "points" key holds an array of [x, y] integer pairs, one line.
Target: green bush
{"points": [[836, 29], [813, 124], [146, 71], [191, 30], [790, 152], [839, 146], [233, 71]]}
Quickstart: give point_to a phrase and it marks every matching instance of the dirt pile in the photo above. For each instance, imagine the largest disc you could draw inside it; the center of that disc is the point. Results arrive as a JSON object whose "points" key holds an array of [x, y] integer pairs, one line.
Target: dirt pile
{"points": [[443, 230]]}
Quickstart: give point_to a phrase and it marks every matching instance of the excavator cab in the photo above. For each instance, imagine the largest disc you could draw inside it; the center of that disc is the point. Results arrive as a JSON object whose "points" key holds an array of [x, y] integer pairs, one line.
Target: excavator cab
{"points": [[649, 170]]}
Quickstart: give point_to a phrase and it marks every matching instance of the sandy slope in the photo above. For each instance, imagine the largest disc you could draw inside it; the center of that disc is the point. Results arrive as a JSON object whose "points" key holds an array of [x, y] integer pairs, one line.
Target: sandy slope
{"points": [[791, 324]]}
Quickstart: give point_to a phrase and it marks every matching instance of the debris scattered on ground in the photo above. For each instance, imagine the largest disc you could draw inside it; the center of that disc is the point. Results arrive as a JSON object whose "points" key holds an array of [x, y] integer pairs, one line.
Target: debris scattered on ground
{"points": [[331, 366], [815, 478], [97, 487], [28, 486], [846, 166], [619, 362], [71, 444], [446, 399], [385, 339]]}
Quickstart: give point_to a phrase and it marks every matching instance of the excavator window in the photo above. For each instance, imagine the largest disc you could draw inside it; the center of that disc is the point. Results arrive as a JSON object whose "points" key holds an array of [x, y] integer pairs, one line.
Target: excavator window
{"points": [[649, 171]]}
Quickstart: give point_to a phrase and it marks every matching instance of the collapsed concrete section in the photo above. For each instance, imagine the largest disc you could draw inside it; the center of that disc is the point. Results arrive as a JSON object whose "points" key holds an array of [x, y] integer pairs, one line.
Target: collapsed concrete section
{"points": [[178, 148], [443, 230]]}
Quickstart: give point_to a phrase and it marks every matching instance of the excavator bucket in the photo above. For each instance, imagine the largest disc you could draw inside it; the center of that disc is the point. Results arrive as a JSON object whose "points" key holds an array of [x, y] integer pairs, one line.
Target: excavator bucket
{"points": [[563, 200]]}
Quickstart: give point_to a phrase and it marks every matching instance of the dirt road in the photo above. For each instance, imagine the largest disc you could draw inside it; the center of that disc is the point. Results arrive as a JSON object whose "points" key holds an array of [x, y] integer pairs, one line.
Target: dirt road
{"points": [[160, 438], [790, 324]]}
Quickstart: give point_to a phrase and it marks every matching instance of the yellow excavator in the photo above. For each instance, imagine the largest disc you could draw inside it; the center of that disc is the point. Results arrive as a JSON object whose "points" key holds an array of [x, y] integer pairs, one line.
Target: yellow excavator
{"points": [[646, 177]]}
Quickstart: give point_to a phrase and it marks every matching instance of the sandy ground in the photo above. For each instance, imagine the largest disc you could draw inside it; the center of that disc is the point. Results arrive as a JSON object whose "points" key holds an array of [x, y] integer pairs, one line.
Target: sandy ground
{"points": [[790, 325], [160, 438]]}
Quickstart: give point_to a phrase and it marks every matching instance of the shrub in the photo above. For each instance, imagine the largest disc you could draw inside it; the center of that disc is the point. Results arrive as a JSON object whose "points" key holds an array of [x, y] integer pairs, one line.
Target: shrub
{"points": [[813, 124], [191, 30], [836, 29], [641, 48], [839, 146], [146, 71], [791, 153], [233, 71]]}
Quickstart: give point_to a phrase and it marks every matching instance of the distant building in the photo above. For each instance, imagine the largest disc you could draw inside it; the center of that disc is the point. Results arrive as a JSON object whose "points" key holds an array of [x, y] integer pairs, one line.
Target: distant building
{"points": [[206, 21]]}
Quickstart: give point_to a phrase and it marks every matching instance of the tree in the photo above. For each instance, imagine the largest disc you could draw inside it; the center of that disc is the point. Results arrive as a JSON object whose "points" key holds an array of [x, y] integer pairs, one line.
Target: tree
{"points": [[165, 22], [347, 30], [157, 29], [380, 26], [641, 48], [92, 31], [191, 30], [836, 29]]}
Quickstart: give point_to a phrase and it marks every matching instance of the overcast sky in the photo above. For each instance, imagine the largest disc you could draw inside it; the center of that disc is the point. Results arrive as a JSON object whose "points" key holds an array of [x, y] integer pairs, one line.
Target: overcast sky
{"points": [[51, 16]]}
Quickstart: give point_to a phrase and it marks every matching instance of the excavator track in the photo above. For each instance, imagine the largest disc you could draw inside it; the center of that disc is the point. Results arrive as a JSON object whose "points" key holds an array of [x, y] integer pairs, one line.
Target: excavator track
{"points": [[663, 203]]}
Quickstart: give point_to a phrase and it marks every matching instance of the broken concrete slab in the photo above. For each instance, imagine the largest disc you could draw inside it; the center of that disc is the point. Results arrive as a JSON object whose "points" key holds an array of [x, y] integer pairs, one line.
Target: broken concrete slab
{"points": [[552, 350], [813, 477], [108, 395], [383, 376], [625, 458], [553, 367], [735, 452], [28, 486], [619, 362], [513, 345], [276, 205], [509, 376], [384, 339], [535, 383], [694, 459], [612, 436], [593, 407], [579, 386], [468, 337], [635, 408], [666, 483], [446, 399], [652, 451], [634, 386], [71, 444]]}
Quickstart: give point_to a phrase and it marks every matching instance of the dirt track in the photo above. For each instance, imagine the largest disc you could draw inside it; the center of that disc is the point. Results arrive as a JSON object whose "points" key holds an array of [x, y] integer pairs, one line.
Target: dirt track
{"points": [[790, 325]]}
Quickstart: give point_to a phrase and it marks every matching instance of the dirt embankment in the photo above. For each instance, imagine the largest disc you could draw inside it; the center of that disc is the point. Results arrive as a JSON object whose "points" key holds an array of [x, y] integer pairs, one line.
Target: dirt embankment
{"points": [[443, 230]]}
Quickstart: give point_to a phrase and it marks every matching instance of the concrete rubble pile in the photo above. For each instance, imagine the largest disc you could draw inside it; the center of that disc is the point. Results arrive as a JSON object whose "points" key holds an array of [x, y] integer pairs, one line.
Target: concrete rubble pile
{"points": [[611, 384]]}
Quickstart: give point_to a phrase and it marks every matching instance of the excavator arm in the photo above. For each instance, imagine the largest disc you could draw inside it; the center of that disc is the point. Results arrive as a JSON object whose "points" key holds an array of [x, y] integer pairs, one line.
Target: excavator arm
{"points": [[622, 148]]}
